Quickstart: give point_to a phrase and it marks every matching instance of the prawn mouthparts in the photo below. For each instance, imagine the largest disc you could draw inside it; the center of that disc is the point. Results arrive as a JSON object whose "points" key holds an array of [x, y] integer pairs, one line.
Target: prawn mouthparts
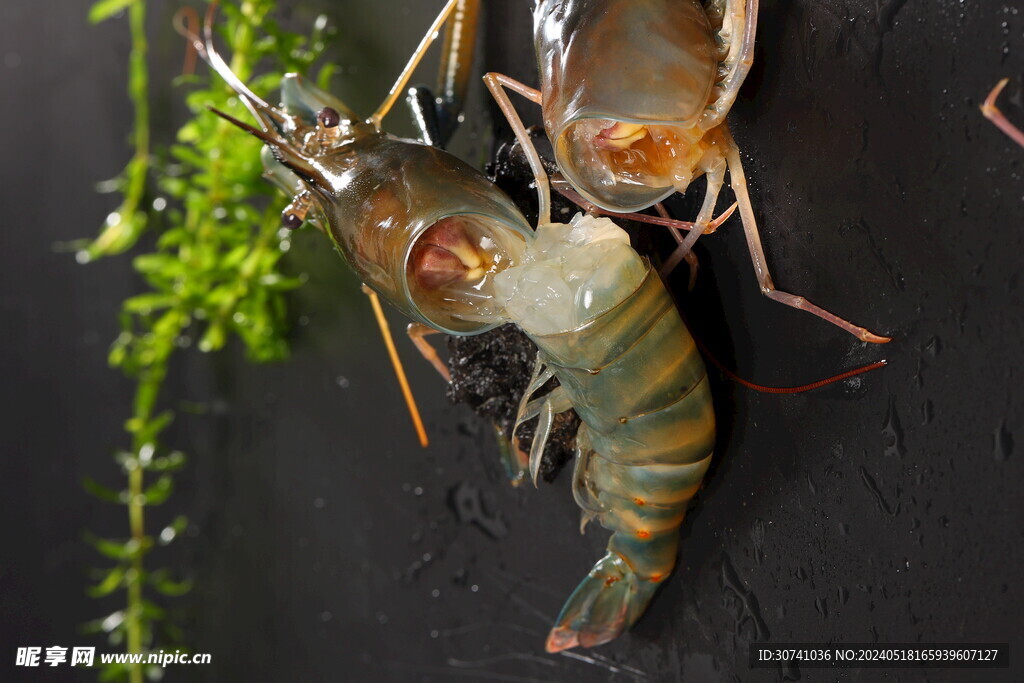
{"points": [[620, 136], [445, 255]]}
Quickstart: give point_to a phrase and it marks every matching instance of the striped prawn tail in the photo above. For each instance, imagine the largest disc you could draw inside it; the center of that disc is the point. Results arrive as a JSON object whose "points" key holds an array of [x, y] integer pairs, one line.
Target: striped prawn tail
{"points": [[637, 381]]}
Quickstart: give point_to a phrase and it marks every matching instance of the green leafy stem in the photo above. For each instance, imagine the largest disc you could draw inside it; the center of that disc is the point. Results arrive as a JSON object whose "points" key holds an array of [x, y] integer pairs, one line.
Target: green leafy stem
{"points": [[212, 271]]}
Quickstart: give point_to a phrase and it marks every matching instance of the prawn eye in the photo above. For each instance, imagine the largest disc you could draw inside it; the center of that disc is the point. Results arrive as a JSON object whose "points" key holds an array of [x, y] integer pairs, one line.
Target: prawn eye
{"points": [[291, 220], [328, 118]]}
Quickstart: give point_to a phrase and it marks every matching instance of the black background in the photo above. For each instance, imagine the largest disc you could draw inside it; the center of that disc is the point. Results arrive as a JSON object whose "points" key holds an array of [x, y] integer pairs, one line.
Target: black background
{"points": [[324, 544]]}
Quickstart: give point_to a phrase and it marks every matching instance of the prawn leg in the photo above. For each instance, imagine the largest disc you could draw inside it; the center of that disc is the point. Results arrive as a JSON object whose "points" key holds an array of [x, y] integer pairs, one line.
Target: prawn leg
{"points": [[564, 188], [517, 463], [396, 362], [992, 113], [739, 27], [715, 178], [764, 278], [554, 403], [414, 61], [417, 333], [437, 112], [689, 256], [546, 407], [497, 83]]}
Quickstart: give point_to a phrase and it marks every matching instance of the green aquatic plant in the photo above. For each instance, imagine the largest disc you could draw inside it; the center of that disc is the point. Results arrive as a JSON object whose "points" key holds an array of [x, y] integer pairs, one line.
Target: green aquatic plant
{"points": [[212, 270]]}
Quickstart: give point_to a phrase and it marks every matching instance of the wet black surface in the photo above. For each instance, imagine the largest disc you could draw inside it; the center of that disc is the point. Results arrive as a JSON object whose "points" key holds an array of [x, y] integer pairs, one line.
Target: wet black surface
{"points": [[325, 545]]}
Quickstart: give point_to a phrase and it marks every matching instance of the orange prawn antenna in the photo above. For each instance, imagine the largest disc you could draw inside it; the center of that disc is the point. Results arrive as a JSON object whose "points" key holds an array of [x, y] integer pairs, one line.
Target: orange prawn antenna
{"points": [[803, 387], [785, 390], [396, 362], [417, 56]]}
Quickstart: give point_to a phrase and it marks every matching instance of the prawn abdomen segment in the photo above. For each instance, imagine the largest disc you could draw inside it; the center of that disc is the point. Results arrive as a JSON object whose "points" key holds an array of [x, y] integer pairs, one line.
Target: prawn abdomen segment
{"points": [[665, 386], [636, 379]]}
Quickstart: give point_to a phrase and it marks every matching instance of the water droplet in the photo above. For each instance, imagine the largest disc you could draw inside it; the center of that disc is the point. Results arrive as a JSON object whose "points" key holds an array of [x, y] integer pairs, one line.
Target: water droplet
{"points": [[467, 502], [927, 412], [892, 432], [872, 487], [1002, 442], [743, 603], [757, 536]]}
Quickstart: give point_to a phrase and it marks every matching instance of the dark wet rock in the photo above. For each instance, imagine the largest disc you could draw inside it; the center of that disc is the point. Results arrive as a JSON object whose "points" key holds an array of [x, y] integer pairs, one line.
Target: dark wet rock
{"points": [[490, 372]]}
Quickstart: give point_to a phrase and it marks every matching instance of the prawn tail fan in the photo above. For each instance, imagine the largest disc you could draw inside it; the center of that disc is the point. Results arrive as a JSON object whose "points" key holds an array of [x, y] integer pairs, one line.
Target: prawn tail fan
{"points": [[606, 603]]}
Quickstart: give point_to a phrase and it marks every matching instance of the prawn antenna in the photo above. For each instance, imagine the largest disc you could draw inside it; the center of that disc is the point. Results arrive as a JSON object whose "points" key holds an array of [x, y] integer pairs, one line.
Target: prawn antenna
{"points": [[204, 47], [785, 390], [414, 61], [396, 362], [803, 387], [251, 130]]}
